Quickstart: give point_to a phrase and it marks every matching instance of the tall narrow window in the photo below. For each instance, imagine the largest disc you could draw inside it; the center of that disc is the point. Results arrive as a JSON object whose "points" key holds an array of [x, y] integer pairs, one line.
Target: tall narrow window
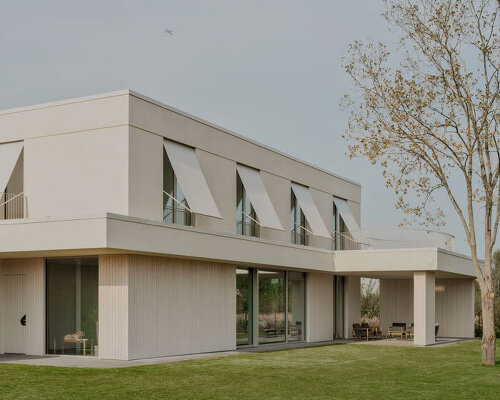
{"points": [[244, 309], [297, 222], [272, 297], [339, 306], [342, 237], [175, 206], [246, 218], [296, 306]]}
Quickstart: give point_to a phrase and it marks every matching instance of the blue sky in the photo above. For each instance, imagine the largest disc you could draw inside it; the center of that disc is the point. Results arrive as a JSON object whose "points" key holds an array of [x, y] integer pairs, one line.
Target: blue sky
{"points": [[267, 69]]}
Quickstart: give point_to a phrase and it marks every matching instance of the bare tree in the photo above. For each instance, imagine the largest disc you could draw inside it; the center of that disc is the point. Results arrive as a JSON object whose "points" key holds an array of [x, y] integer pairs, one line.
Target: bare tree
{"points": [[430, 119]]}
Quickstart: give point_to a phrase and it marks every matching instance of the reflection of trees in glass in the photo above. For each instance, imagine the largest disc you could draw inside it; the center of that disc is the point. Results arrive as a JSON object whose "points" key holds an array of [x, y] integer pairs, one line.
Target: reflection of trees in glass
{"points": [[242, 305], [271, 297]]}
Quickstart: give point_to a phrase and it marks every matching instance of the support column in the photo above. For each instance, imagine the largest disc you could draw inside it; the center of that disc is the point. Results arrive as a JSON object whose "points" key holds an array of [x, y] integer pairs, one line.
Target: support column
{"points": [[424, 306]]}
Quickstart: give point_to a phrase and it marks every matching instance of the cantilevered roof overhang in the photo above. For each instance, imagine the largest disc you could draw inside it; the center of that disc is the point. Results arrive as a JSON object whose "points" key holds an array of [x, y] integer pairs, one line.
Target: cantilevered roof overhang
{"points": [[113, 233], [402, 263]]}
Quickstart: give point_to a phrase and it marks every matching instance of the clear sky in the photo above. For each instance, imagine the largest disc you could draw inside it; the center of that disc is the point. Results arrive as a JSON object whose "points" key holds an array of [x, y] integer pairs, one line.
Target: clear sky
{"points": [[267, 69]]}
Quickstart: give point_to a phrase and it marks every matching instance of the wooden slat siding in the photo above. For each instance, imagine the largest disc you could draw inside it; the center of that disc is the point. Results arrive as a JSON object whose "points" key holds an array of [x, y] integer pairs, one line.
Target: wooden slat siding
{"points": [[319, 305], [113, 307], [180, 306], [455, 307], [396, 302], [352, 306], [33, 270]]}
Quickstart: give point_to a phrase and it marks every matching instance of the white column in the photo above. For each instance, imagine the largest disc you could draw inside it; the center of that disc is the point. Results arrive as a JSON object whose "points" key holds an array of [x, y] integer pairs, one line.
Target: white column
{"points": [[424, 306]]}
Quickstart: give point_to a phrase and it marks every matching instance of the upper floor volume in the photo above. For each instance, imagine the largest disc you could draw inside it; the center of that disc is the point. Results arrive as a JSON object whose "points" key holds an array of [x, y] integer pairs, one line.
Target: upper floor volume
{"points": [[126, 154]]}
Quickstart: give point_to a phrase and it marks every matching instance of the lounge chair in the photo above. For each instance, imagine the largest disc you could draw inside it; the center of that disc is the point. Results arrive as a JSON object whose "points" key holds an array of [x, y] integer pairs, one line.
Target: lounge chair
{"points": [[360, 333], [398, 329], [377, 332]]}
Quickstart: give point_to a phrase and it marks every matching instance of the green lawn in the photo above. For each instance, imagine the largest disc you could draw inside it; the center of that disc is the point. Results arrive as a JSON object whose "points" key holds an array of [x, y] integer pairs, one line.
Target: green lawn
{"points": [[338, 371]]}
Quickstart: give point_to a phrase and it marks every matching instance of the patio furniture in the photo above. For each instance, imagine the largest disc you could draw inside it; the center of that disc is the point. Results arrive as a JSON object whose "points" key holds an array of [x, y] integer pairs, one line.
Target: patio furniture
{"points": [[398, 329], [77, 337], [436, 330], [360, 333], [377, 332], [410, 332]]}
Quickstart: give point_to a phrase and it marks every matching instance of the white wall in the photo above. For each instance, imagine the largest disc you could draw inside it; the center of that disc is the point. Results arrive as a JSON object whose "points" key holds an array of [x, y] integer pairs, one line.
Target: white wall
{"points": [[33, 270], [77, 174], [153, 307], [352, 307], [319, 303], [113, 307], [455, 307], [396, 302]]}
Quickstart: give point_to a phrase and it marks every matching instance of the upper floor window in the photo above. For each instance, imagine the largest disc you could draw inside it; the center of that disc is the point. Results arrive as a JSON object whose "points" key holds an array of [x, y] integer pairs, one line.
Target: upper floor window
{"points": [[246, 218], [342, 237], [298, 222], [175, 206]]}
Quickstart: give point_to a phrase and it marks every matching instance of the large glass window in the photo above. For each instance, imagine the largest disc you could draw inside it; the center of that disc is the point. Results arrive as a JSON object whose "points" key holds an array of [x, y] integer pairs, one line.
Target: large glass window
{"points": [[175, 206], [339, 306], [246, 218], [296, 306], [271, 306], [244, 306], [72, 305], [298, 222]]}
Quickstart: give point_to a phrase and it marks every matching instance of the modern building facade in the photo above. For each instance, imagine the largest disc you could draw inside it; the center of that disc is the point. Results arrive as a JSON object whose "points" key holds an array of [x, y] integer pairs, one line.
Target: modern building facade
{"points": [[130, 229]]}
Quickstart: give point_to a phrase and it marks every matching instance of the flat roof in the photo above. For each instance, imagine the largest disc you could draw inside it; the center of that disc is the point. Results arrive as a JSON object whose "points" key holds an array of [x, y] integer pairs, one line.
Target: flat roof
{"points": [[175, 110]]}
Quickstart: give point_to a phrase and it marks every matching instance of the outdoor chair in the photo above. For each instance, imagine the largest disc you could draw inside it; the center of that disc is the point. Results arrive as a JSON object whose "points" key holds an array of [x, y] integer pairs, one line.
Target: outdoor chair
{"points": [[398, 329], [360, 333], [410, 332], [377, 332]]}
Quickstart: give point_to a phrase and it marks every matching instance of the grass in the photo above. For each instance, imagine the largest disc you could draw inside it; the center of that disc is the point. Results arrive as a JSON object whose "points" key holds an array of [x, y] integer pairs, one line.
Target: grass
{"points": [[329, 372]]}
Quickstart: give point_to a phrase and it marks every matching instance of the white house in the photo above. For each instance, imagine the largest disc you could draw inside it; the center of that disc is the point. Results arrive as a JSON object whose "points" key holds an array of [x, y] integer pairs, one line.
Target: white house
{"points": [[155, 233]]}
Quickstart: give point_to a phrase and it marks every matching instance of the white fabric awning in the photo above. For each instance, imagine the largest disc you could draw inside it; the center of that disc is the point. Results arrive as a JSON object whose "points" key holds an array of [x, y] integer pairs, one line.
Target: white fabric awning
{"points": [[349, 220], [310, 210], [9, 154], [257, 193], [191, 179]]}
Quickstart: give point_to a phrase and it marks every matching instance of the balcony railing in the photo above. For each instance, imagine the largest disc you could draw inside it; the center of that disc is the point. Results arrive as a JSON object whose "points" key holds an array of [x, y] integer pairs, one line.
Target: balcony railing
{"points": [[12, 206], [177, 215], [345, 241], [393, 238]]}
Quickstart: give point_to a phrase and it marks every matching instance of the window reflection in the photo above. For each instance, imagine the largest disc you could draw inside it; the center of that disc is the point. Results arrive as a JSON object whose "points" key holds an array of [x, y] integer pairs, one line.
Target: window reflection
{"points": [[174, 211], [245, 214], [297, 222], [72, 305], [244, 315], [271, 306]]}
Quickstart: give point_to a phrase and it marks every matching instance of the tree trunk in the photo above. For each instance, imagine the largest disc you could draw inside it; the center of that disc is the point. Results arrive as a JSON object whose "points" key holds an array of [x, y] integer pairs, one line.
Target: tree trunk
{"points": [[489, 340]]}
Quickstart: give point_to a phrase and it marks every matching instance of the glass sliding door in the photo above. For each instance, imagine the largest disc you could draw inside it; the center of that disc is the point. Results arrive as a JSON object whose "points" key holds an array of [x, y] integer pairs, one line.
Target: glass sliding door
{"points": [[71, 305], [244, 302], [271, 306], [296, 306]]}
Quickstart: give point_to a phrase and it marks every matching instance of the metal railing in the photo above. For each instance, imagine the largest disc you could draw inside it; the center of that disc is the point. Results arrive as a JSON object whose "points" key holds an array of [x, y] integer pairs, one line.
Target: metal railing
{"points": [[177, 215], [398, 238], [345, 241], [12, 206], [247, 228]]}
